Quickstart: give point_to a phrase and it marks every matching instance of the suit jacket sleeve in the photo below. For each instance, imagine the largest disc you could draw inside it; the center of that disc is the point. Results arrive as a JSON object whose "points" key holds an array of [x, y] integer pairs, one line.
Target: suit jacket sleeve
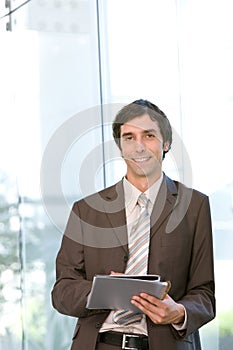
{"points": [[69, 294], [199, 300]]}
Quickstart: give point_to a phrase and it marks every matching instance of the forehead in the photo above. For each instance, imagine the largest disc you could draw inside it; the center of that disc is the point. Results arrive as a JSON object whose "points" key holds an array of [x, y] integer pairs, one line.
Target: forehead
{"points": [[140, 124]]}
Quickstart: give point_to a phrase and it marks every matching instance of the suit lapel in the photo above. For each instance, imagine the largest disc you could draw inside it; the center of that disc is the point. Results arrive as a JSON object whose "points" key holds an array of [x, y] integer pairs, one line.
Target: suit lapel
{"points": [[164, 204], [114, 206]]}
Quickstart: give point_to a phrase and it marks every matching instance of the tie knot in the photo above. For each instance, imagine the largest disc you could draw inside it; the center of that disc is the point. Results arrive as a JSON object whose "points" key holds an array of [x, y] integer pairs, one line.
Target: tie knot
{"points": [[143, 200]]}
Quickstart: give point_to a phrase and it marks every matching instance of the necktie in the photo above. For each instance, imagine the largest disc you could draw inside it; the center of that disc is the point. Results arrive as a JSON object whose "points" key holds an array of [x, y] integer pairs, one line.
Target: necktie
{"points": [[138, 257]]}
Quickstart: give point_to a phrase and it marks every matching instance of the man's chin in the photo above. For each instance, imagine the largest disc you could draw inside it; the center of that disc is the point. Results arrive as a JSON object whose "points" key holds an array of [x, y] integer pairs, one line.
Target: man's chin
{"points": [[145, 172]]}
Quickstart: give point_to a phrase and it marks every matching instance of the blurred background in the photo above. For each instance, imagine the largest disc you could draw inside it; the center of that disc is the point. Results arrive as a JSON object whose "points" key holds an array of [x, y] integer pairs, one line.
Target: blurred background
{"points": [[66, 67]]}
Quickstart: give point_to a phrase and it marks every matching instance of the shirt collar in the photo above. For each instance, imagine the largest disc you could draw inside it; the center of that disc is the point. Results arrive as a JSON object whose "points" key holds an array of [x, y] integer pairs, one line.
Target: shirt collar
{"points": [[132, 193]]}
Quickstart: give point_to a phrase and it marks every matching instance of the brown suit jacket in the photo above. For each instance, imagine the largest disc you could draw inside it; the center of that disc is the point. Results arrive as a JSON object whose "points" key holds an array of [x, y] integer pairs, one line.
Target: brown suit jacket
{"points": [[95, 242]]}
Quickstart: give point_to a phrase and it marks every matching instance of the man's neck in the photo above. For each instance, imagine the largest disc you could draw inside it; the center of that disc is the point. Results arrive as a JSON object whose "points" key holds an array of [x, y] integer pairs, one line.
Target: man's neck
{"points": [[143, 183]]}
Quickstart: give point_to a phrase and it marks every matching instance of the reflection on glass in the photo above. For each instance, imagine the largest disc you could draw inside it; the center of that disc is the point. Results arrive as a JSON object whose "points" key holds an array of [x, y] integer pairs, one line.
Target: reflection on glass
{"points": [[10, 265]]}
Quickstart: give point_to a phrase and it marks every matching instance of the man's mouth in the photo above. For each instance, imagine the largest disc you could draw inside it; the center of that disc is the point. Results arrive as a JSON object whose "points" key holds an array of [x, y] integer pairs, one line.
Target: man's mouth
{"points": [[141, 160]]}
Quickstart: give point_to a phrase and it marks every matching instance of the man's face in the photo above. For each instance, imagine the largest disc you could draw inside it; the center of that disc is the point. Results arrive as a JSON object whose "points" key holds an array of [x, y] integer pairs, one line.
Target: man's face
{"points": [[142, 148]]}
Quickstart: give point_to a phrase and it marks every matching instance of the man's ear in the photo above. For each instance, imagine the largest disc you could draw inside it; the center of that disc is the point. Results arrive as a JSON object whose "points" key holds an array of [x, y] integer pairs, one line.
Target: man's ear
{"points": [[166, 146]]}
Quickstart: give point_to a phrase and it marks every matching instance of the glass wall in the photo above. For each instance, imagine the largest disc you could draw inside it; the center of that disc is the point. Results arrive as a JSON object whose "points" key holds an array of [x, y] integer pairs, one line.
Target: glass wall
{"points": [[178, 54], [66, 67], [49, 68]]}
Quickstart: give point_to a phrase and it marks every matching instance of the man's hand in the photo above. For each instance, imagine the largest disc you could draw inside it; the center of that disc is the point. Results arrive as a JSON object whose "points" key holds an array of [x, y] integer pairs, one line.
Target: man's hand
{"points": [[116, 273], [165, 311]]}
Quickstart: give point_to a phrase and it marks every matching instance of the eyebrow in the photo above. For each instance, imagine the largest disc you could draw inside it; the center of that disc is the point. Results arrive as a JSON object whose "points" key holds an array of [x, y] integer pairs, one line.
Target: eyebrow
{"points": [[144, 132], [126, 134], [150, 130]]}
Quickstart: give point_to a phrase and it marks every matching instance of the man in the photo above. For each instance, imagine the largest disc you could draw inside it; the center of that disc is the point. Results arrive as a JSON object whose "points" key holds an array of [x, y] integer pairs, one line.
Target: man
{"points": [[99, 240]]}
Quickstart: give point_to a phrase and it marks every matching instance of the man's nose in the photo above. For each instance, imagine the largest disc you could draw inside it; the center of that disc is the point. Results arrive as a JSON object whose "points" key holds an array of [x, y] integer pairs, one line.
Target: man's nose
{"points": [[139, 145]]}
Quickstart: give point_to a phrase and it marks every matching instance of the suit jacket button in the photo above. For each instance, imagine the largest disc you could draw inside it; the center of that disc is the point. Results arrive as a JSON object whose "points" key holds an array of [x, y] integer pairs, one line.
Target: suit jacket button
{"points": [[125, 258], [98, 325]]}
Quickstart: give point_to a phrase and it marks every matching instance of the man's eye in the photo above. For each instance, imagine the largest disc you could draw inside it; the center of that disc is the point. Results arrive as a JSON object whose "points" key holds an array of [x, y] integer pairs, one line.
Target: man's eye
{"points": [[150, 136], [128, 138]]}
